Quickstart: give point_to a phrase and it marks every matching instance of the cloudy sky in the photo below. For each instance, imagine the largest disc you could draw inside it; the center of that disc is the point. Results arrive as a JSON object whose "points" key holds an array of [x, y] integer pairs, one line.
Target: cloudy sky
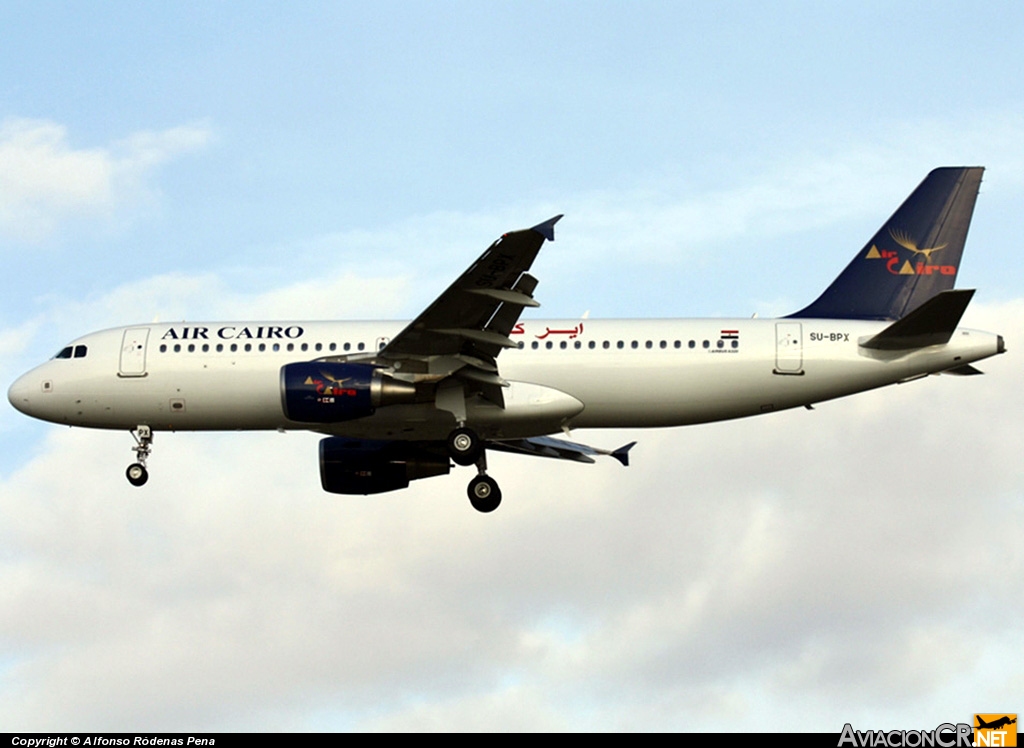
{"points": [[859, 563]]}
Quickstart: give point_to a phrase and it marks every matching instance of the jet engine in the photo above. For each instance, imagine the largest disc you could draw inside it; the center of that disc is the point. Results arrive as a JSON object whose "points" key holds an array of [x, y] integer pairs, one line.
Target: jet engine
{"points": [[362, 466], [323, 392]]}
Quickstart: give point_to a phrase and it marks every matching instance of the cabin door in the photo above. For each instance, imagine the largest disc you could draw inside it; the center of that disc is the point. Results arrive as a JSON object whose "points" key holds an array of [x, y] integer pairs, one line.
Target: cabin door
{"points": [[789, 348], [133, 352]]}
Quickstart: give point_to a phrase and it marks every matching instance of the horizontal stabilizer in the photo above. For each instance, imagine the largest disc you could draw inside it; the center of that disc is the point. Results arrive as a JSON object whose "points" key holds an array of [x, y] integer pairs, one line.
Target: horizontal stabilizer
{"points": [[622, 454], [964, 371], [932, 323], [559, 449]]}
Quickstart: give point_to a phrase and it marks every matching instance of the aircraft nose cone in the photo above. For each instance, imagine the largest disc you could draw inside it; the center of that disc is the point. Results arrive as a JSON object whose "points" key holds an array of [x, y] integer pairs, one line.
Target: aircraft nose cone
{"points": [[28, 393], [18, 395]]}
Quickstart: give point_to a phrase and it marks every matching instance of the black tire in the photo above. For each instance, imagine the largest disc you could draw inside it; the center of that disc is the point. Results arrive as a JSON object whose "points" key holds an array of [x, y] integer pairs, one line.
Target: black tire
{"points": [[464, 446], [137, 474], [484, 494]]}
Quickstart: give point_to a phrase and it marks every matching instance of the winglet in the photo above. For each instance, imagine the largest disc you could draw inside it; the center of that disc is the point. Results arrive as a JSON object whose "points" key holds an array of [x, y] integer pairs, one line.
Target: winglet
{"points": [[547, 228], [622, 454]]}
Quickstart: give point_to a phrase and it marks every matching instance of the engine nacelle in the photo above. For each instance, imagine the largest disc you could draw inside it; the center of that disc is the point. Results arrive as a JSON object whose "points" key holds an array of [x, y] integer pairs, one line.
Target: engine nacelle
{"points": [[324, 392], [362, 466]]}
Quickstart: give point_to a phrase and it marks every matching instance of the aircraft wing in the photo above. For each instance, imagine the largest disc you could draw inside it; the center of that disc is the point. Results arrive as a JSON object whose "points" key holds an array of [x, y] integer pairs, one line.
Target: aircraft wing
{"points": [[471, 321]]}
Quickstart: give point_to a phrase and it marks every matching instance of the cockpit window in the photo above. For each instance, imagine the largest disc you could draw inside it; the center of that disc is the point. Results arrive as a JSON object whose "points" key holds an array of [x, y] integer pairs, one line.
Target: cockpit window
{"points": [[80, 351], [65, 352]]}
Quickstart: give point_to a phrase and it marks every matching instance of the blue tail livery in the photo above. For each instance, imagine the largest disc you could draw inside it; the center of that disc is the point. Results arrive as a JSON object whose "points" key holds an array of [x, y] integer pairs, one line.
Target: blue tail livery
{"points": [[913, 257]]}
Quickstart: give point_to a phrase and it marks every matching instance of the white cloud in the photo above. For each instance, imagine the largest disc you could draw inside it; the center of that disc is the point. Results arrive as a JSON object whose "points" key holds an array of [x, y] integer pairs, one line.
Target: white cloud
{"points": [[678, 218], [45, 181], [180, 296]]}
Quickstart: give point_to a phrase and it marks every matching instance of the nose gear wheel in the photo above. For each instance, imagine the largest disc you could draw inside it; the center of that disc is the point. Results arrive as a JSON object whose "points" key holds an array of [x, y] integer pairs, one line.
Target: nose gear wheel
{"points": [[136, 473]]}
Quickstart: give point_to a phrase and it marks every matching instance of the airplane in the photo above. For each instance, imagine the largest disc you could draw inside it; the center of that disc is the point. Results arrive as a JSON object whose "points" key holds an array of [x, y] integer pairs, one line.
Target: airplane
{"points": [[994, 724], [400, 402]]}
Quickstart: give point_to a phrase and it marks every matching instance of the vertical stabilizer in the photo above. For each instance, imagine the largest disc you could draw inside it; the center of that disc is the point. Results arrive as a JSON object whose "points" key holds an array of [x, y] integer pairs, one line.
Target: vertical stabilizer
{"points": [[913, 257]]}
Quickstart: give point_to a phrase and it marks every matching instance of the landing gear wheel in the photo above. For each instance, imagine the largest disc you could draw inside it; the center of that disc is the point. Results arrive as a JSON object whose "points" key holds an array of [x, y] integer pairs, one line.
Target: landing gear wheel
{"points": [[484, 494], [137, 474], [464, 446]]}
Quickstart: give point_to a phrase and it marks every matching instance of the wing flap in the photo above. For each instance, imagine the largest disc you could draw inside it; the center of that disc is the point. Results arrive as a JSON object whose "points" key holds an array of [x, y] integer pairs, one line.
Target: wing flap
{"points": [[509, 297], [480, 336]]}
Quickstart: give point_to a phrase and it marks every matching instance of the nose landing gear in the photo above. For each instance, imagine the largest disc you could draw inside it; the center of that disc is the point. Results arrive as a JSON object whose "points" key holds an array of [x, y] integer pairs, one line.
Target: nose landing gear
{"points": [[136, 473]]}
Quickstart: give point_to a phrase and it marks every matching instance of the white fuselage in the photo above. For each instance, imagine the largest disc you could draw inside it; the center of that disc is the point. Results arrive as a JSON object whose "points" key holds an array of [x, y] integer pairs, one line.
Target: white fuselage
{"points": [[566, 374]]}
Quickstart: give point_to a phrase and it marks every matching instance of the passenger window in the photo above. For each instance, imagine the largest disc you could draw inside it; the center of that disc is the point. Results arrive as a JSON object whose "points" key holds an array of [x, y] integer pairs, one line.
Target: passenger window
{"points": [[248, 347], [163, 347], [277, 347], [634, 344], [234, 347], [721, 344], [693, 343], [291, 346], [191, 347], [347, 346], [305, 346], [263, 347], [649, 344], [318, 346], [535, 345], [563, 345], [334, 346], [707, 344], [361, 346], [678, 344], [735, 344], [549, 345], [578, 345], [606, 344], [220, 347], [591, 345]]}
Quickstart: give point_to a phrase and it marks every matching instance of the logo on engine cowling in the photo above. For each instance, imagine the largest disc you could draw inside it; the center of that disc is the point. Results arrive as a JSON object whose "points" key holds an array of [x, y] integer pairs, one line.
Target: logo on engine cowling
{"points": [[333, 389], [318, 392]]}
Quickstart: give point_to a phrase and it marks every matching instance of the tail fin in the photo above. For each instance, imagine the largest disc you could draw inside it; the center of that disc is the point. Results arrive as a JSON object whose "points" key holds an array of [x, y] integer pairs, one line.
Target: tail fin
{"points": [[913, 257]]}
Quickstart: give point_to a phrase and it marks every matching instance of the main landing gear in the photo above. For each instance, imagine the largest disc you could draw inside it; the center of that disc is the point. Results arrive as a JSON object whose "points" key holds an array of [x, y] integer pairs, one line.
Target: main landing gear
{"points": [[466, 448], [136, 473]]}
